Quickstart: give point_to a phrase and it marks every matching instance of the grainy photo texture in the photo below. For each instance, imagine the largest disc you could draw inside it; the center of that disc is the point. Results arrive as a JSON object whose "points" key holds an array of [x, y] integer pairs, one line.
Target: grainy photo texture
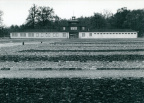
{"points": [[71, 51]]}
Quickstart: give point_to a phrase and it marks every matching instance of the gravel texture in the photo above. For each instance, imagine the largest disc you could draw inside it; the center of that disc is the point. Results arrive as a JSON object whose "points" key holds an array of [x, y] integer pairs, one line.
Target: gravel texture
{"points": [[84, 54]]}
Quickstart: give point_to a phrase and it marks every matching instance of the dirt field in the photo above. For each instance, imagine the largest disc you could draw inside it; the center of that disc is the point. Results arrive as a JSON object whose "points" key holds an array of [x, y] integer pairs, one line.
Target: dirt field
{"points": [[72, 71], [84, 54], [91, 74], [72, 90]]}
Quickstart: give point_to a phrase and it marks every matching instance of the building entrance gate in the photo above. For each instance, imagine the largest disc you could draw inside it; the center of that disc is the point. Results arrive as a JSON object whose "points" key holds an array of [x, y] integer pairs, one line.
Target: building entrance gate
{"points": [[73, 35]]}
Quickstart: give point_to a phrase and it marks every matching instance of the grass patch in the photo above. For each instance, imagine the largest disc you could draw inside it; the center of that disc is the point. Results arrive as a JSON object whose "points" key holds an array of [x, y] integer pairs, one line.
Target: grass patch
{"points": [[70, 68], [74, 90], [117, 50], [81, 58], [119, 42], [58, 69], [120, 69], [4, 68]]}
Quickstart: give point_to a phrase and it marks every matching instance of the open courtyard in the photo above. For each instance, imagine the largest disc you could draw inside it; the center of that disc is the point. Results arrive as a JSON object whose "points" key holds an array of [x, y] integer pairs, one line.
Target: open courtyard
{"points": [[72, 70], [106, 55]]}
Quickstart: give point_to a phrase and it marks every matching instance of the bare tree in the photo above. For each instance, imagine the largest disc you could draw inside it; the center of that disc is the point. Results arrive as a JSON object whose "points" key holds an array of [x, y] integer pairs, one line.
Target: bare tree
{"points": [[32, 17], [107, 14], [45, 14]]}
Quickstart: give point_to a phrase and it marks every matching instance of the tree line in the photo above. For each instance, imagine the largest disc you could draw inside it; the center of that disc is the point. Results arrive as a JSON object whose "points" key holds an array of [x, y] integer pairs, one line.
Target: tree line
{"points": [[42, 17]]}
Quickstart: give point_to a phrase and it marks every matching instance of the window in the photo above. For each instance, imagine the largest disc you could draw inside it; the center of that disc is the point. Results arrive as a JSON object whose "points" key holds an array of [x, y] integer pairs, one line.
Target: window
{"points": [[64, 28], [73, 23], [49, 34], [90, 34], [42, 35], [31, 35], [103, 33], [64, 34], [23, 34], [125, 33], [128, 33], [73, 28], [131, 33], [83, 34], [14, 34], [83, 28], [56, 34], [46, 34], [37, 35]]}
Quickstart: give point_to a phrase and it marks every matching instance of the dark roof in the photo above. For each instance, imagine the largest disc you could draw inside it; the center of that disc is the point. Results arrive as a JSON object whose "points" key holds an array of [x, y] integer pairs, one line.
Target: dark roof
{"points": [[63, 25], [78, 25], [74, 21], [111, 30], [93, 30], [37, 30]]}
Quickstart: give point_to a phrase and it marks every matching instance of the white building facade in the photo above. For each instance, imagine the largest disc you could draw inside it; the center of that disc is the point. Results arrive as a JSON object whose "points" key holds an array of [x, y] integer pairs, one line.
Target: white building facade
{"points": [[75, 30], [81, 35], [39, 35], [92, 35]]}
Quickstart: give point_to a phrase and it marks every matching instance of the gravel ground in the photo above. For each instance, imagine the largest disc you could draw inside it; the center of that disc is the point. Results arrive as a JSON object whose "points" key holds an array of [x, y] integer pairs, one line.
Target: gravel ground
{"points": [[72, 90], [24, 51], [15, 50], [73, 86], [72, 64], [92, 74]]}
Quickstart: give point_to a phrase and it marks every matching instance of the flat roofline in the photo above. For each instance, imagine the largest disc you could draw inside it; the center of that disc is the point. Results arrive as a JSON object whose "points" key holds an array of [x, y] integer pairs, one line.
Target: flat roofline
{"points": [[108, 31], [39, 32]]}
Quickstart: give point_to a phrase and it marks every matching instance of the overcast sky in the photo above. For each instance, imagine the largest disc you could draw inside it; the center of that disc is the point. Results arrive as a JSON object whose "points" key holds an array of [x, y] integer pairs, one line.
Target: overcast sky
{"points": [[16, 11]]}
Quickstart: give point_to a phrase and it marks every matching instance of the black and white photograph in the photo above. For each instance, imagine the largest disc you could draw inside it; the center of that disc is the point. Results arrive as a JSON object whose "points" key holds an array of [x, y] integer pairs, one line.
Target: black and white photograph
{"points": [[71, 51]]}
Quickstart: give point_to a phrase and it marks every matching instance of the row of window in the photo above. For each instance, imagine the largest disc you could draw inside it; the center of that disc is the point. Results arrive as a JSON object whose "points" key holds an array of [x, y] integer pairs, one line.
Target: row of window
{"points": [[38, 35], [14, 34], [73, 28], [110, 33], [90, 34]]}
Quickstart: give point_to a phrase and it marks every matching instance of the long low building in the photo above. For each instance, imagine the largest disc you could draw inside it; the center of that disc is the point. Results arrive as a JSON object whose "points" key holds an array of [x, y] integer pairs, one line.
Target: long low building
{"points": [[39, 35], [108, 34], [81, 35], [75, 30]]}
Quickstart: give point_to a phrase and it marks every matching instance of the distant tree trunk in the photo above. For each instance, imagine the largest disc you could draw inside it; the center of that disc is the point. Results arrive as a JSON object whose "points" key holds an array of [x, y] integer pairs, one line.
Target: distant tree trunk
{"points": [[31, 19], [45, 15], [1, 26]]}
